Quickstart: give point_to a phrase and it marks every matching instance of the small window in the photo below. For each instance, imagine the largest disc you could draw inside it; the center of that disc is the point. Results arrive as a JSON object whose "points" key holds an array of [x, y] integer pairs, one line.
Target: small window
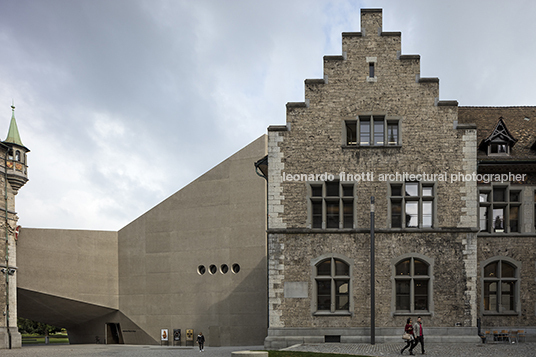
{"points": [[224, 268], [500, 287], [212, 269], [235, 268], [500, 210], [371, 130], [412, 285], [332, 282], [371, 70], [201, 270]]}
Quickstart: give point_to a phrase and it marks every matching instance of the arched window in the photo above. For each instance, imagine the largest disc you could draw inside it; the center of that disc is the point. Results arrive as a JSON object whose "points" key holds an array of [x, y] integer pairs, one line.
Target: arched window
{"points": [[17, 155], [412, 284], [332, 285], [500, 286]]}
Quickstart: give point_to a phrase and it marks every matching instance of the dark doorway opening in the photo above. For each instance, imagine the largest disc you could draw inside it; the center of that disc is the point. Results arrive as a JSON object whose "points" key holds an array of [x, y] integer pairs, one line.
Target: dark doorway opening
{"points": [[114, 334]]}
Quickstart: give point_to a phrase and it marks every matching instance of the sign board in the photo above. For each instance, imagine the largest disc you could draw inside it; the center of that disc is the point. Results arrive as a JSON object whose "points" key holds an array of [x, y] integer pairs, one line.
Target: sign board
{"points": [[164, 334], [189, 334], [177, 334]]}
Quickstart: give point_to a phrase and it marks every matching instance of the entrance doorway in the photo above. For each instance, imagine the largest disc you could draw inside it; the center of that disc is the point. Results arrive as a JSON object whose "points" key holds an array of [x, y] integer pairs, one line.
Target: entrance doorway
{"points": [[114, 334]]}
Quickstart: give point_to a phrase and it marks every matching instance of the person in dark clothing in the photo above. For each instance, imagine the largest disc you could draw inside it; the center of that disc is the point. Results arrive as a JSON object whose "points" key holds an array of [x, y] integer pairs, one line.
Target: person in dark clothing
{"points": [[201, 341], [419, 336], [409, 343]]}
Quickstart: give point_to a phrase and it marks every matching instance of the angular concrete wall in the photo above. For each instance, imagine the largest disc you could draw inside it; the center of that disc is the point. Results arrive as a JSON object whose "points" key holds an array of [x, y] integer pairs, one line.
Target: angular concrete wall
{"points": [[218, 219]]}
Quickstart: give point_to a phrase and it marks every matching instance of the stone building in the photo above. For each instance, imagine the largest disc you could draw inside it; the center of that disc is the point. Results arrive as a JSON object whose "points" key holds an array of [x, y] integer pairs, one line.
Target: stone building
{"points": [[288, 260], [14, 170], [452, 245]]}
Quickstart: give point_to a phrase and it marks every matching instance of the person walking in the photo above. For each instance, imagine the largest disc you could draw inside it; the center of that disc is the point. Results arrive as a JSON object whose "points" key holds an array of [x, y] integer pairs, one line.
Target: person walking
{"points": [[201, 342], [419, 336], [409, 343]]}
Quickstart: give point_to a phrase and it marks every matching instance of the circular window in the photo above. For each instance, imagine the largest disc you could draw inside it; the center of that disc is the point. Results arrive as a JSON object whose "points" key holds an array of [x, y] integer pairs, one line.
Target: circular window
{"points": [[224, 268], [212, 269], [201, 270], [235, 268]]}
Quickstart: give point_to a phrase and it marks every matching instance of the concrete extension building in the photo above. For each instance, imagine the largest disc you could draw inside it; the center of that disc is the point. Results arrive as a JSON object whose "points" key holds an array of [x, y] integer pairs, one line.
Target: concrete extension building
{"points": [[287, 260]]}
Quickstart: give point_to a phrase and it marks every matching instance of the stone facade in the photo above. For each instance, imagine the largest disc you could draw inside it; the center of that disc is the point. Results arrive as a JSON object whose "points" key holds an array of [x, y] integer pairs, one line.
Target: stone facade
{"points": [[370, 83], [14, 174]]}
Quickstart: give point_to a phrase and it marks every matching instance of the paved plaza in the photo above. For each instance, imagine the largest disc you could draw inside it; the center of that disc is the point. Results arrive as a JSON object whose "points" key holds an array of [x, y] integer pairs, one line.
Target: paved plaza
{"points": [[384, 349]]}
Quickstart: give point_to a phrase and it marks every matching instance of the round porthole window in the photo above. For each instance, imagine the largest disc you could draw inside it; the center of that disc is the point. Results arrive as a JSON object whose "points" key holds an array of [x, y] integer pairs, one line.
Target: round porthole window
{"points": [[235, 268], [201, 270], [224, 268], [213, 269]]}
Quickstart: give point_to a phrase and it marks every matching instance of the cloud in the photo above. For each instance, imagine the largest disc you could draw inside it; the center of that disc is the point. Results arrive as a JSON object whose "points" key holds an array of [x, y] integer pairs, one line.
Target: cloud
{"points": [[124, 102]]}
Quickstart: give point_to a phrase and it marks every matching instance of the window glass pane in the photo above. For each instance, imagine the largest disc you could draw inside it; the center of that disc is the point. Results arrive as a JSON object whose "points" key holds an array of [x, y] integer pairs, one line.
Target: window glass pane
{"points": [[378, 132], [316, 191], [421, 294], [507, 270], [371, 69], [484, 196], [427, 191], [348, 219], [396, 214], [332, 188], [507, 295], [514, 220], [427, 214], [499, 194], [323, 294], [341, 268], [364, 132], [490, 296], [342, 301], [317, 214], [412, 188], [332, 214], [514, 196], [396, 190], [402, 294], [403, 268], [490, 270], [324, 268], [392, 133], [348, 190], [412, 214], [484, 218], [351, 133], [498, 219], [420, 267]]}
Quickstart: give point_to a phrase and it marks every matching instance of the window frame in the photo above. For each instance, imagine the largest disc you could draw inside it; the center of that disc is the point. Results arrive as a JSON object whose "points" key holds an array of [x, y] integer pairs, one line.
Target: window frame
{"points": [[324, 200], [491, 204], [517, 279], [420, 198], [332, 277], [371, 62], [352, 130], [430, 279]]}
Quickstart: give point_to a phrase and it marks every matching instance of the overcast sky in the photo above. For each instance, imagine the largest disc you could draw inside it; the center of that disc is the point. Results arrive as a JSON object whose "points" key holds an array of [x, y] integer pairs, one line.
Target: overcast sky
{"points": [[124, 102]]}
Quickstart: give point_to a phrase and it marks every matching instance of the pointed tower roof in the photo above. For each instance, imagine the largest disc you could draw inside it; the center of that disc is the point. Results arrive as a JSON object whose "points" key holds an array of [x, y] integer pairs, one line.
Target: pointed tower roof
{"points": [[13, 135]]}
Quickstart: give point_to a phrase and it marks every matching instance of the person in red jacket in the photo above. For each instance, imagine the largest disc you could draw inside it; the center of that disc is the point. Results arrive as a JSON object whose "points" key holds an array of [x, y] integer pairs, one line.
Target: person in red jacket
{"points": [[409, 343]]}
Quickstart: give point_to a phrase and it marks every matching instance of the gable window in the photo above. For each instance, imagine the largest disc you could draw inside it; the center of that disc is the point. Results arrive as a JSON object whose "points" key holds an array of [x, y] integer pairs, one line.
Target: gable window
{"points": [[331, 204], [500, 209], [331, 285], [412, 285], [500, 141], [500, 286], [372, 130], [372, 69], [412, 205]]}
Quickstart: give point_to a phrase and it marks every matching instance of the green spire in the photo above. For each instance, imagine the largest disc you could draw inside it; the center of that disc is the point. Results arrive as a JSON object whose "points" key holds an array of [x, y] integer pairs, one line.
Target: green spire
{"points": [[13, 133]]}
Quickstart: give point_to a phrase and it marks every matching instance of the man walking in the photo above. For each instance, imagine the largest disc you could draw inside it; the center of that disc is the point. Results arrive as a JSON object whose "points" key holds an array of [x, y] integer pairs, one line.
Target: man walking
{"points": [[419, 336]]}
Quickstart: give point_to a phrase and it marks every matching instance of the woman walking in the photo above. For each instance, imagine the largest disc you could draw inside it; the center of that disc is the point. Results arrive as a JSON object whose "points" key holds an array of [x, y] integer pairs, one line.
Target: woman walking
{"points": [[409, 343]]}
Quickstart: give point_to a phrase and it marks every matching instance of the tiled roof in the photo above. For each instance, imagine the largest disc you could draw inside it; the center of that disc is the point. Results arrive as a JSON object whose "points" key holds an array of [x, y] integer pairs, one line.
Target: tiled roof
{"points": [[515, 119]]}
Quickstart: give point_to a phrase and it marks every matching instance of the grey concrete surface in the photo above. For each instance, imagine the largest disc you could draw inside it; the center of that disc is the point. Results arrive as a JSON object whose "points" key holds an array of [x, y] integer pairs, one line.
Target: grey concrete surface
{"points": [[527, 349]]}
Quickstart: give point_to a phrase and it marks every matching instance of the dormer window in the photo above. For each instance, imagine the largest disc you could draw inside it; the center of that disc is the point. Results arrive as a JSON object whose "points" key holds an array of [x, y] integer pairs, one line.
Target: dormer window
{"points": [[500, 142]]}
